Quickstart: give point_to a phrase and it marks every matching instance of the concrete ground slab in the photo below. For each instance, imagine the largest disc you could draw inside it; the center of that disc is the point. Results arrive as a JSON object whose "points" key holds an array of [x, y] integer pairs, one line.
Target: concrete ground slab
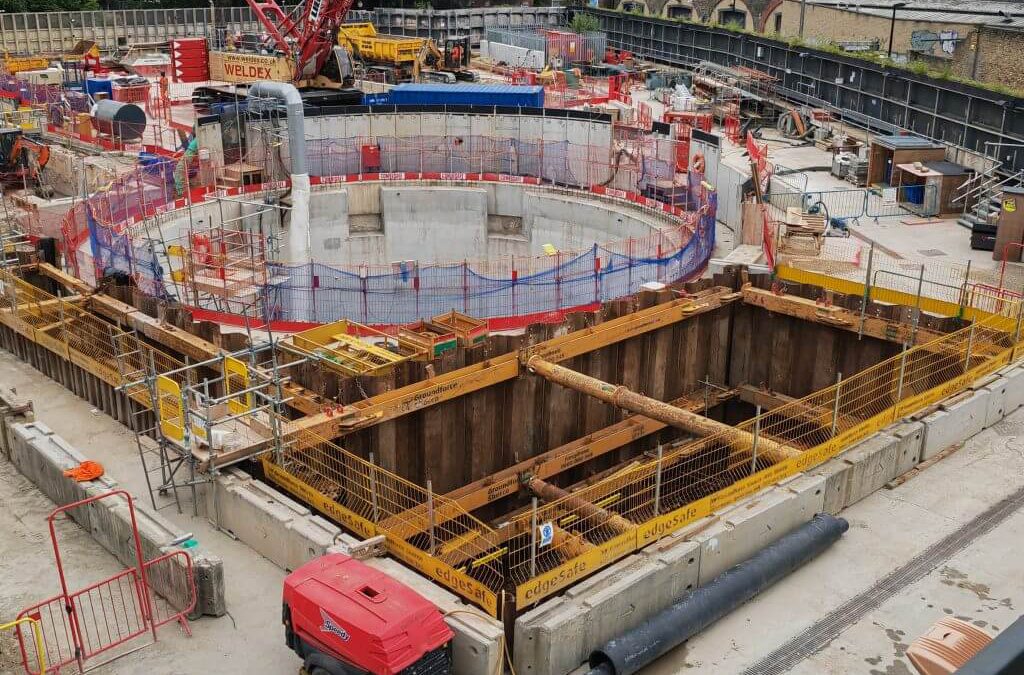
{"points": [[249, 640], [887, 529]]}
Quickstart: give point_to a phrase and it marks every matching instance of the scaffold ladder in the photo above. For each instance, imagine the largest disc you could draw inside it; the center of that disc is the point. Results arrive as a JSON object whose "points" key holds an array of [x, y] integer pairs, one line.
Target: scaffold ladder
{"points": [[161, 463]]}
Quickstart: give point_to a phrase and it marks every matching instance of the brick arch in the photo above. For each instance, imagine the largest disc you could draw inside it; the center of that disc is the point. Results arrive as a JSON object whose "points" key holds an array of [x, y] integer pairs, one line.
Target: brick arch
{"points": [[681, 3], [741, 5], [766, 13], [642, 3]]}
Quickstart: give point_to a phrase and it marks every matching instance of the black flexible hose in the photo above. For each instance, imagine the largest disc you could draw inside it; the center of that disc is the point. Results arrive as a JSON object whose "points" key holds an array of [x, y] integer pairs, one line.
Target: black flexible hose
{"points": [[637, 648]]}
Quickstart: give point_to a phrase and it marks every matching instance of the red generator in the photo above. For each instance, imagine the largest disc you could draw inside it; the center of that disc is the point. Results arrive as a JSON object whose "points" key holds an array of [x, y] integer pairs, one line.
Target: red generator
{"points": [[342, 617]]}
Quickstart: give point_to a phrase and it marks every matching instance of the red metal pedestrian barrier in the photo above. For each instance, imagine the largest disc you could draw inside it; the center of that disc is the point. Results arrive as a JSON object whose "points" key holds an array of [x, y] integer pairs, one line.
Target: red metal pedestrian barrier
{"points": [[97, 619]]}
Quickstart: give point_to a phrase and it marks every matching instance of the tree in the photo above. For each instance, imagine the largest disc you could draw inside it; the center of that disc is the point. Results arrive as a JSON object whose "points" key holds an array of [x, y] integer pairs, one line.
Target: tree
{"points": [[48, 5], [584, 23]]}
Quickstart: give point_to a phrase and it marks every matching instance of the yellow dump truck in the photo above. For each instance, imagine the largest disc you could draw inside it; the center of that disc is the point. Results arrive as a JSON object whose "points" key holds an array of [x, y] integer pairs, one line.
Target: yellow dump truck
{"points": [[405, 58], [363, 42]]}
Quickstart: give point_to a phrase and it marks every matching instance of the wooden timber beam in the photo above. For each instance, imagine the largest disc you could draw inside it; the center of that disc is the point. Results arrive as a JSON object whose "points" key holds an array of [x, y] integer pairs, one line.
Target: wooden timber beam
{"points": [[72, 299], [177, 339], [589, 510], [507, 482], [622, 397], [631, 325], [66, 280], [769, 400], [838, 317]]}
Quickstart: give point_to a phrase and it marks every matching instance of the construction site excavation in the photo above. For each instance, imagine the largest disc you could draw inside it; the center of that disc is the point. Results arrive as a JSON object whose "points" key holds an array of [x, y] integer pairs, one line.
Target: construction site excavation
{"points": [[504, 340]]}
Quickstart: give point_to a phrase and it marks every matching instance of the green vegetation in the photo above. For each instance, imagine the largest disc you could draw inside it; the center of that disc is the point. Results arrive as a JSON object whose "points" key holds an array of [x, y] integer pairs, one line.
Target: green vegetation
{"points": [[584, 23]]}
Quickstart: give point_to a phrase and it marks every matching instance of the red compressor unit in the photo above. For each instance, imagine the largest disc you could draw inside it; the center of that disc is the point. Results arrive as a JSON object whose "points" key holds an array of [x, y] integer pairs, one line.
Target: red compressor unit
{"points": [[346, 618]]}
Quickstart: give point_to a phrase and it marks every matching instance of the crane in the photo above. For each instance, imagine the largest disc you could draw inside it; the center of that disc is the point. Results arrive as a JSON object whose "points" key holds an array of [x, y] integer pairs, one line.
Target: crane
{"points": [[307, 34]]}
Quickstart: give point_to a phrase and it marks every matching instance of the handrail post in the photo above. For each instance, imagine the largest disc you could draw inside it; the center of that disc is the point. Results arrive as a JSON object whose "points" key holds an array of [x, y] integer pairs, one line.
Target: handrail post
{"points": [[533, 537], [757, 435], [970, 347], [867, 292], [835, 405], [657, 482], [430, 516]]}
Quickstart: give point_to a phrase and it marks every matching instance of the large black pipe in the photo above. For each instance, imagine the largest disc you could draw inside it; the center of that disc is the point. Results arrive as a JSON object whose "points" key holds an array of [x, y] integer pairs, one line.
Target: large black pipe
{"points": [[632, 651]]}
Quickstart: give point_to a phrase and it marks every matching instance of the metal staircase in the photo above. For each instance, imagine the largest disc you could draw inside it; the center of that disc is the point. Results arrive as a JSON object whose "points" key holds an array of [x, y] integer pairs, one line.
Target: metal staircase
{"points": [[982, 197]]}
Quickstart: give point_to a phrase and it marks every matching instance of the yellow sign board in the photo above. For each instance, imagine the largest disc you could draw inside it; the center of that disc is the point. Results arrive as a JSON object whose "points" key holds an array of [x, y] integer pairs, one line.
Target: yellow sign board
{"points": [[236, 379], [240, 67], [573, 570], [172, 414]]}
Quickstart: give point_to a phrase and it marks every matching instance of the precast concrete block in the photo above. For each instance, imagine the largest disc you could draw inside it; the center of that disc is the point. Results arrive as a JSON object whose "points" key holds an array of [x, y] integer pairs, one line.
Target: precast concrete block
{"points": [[43, 457], [873, 463], [836, 473], [13, 410], [276, 526], [1014, 396], [954, 423], [996, 408], [680, 557], [757, 522], [550, 639], [559, 634], [909, 441]]}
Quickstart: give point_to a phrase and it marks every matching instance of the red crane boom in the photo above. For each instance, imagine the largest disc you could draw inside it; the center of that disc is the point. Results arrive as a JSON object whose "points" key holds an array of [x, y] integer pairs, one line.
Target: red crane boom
{"points": [[307, 34]]}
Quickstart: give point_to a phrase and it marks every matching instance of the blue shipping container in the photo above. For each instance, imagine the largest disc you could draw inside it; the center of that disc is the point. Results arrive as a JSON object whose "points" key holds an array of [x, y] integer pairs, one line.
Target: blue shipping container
{"points": [[468, 94], [96, 85]]}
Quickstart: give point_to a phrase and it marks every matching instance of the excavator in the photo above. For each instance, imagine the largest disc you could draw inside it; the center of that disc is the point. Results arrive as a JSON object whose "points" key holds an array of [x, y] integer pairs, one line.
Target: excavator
{"points": [[450, 66], [21, 159]]}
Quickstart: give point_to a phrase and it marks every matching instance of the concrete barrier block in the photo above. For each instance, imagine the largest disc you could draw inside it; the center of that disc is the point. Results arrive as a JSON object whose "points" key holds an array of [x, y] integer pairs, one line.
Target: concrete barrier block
{"points": [[1014, 396], [43, 457], [681, 559], [835, 472], [954, 423], [550, 638], [873, 463], [557, 636], [996, 408], [909, 441], [274, 525], [758, 522], [13, 410]]}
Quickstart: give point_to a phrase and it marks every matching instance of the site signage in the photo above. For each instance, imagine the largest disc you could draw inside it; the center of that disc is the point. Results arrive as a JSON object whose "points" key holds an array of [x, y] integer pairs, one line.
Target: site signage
{"points": [[239, 67]]}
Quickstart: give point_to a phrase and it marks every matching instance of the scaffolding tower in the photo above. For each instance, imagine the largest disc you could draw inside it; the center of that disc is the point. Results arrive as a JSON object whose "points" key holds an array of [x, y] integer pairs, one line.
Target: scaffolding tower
{"points": [[197, 412]]}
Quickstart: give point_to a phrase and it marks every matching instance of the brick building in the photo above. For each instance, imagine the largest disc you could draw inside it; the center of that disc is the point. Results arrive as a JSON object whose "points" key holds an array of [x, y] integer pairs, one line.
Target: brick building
{"points": [[984, 45], [977, 39], [764, 16]]}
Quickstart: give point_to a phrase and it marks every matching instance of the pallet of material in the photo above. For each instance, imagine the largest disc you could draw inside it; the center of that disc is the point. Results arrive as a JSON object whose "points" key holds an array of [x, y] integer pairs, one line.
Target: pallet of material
{"points": [[469, 330]]}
